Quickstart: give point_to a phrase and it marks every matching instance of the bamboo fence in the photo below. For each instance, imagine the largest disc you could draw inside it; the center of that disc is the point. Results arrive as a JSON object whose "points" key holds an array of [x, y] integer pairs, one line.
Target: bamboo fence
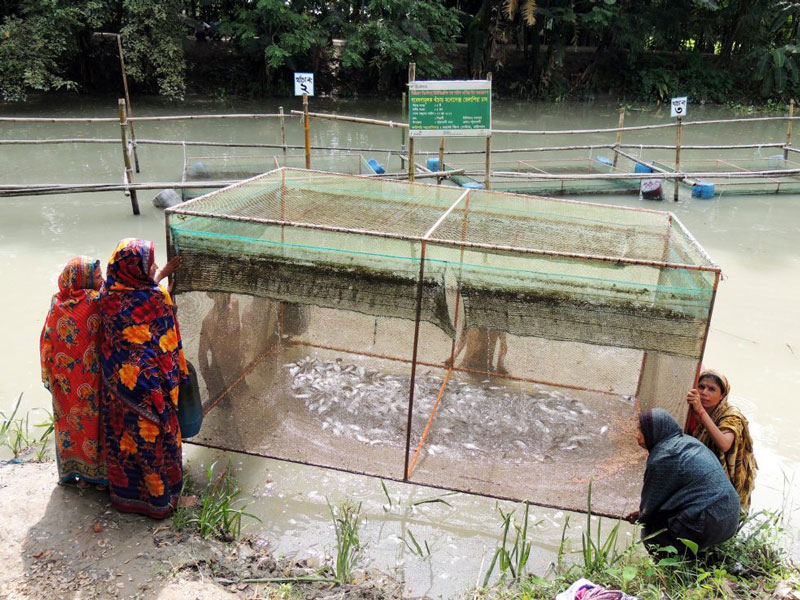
{"points": [[406, 154]]}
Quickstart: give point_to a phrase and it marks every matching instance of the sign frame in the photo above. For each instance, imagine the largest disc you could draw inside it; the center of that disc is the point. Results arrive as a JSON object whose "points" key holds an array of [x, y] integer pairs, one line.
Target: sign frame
{"points": [[679, 106], [303, 80], [462, 108]]}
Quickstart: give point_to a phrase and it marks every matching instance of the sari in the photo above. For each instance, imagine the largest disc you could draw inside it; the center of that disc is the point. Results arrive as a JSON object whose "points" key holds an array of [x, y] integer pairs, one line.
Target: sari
{"points": [[143, 367], [68, 349], [739, 462]]}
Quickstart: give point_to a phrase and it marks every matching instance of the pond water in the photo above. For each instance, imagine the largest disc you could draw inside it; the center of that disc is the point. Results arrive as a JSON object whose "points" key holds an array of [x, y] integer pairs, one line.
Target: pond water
{"points": [[754, 335]]}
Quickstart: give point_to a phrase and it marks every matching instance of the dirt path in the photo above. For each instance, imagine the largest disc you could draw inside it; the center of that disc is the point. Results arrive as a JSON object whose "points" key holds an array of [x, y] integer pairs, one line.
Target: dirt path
{"points": [[62, 542]]}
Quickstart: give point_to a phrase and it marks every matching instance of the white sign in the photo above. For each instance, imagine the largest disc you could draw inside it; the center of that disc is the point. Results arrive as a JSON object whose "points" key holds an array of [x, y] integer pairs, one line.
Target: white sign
{"points": [[303, 84], [678, 107]]}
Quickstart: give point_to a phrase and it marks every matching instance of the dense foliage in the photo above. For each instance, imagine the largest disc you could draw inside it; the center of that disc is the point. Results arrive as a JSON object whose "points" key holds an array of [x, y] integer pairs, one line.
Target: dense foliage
{"points": [[713, 50]]}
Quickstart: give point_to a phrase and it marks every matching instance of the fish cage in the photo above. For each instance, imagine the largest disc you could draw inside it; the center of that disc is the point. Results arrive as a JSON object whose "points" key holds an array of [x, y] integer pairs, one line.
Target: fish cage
{"points": [[718, 167], [507, 168], [231, 168], [469, 340]]}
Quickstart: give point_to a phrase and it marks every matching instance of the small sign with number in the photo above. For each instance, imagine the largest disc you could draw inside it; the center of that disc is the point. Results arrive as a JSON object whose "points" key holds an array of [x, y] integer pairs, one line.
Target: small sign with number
{"points": [[303, 84], [678, 107]]}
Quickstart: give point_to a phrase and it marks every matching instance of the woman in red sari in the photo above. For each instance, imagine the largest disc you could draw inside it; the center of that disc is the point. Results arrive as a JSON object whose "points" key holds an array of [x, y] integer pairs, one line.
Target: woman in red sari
{"points": [[68, 346], [143, 367]]}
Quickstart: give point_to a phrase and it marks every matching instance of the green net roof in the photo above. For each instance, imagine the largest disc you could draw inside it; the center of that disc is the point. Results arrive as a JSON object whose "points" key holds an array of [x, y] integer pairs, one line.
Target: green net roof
{"points": [[526, 265]]}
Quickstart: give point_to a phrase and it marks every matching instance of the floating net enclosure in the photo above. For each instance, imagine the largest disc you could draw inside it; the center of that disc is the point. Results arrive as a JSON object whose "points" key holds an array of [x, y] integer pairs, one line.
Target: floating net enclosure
{"points": [[477, 341], [232, 168], [515, 172]]}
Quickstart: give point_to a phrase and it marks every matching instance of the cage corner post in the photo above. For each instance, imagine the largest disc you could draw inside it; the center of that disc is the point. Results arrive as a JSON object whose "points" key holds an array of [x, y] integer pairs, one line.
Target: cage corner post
{"points": [[699, 367], [414, 352]]}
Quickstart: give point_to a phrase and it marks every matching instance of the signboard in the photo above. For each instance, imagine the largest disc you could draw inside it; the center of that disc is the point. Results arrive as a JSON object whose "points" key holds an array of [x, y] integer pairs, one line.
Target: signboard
{"points": [[303, 84], [678, 107], [450, 108]]}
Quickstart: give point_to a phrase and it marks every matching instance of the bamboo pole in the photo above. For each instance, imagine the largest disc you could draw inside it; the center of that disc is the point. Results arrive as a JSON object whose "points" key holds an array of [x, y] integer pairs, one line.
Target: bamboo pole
{"points": [[388, 123], [283, 130], [636, 127], [412, 75], [404, 117], [619, 134], [441, 156], [306, 129], [126, 157], [8, 191], [487, 180], [789, 130], [362, 120], [127, 100], [136, 119], [770, 174], [677, 158], [141, 142]]}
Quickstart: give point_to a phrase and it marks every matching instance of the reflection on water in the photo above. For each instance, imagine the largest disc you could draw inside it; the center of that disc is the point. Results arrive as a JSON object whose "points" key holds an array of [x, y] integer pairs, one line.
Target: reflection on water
{"points": [[754, 337]]}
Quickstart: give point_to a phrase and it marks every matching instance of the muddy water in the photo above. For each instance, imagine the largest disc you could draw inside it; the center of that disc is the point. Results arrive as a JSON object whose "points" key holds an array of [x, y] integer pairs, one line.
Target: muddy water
{"points": [[755, 331]]}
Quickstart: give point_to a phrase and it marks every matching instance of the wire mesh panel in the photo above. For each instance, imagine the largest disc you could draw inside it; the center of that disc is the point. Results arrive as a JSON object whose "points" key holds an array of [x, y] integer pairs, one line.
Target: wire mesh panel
{"points": [[472, 340]]}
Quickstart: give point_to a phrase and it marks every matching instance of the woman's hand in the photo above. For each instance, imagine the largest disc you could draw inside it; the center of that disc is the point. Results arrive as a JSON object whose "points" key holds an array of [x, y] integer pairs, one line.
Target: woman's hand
{"points": [[693, 399], [632, 517], [168, 269]]}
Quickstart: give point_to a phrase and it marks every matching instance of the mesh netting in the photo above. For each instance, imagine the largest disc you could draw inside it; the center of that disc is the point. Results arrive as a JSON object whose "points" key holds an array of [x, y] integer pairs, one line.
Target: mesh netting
{"points": [[232, 168], [525, 327]]}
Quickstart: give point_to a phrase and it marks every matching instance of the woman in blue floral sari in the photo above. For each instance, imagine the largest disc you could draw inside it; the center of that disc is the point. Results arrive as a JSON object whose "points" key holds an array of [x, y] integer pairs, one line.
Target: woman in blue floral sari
{"points": [[143, 367]]}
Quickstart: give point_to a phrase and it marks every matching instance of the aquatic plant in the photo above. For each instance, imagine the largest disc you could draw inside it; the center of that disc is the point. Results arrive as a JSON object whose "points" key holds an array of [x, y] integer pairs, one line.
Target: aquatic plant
{"points": [[15, 433], [598, 554], [513, 559], [416, 548], [345, 519], [215, 513]]}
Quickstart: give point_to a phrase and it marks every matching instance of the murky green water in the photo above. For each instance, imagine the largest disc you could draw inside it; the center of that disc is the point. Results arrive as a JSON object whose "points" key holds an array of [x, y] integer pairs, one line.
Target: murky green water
{"points": [[755, 332]]}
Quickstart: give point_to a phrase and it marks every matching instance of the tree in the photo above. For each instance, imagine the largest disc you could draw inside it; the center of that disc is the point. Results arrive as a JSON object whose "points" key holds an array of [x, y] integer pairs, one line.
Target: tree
{"points": [[383, 36]]}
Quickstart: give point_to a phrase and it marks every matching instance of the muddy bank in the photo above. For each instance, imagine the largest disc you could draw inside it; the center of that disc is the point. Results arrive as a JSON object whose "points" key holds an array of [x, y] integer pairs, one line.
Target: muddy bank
{"points": [[62, 542]]}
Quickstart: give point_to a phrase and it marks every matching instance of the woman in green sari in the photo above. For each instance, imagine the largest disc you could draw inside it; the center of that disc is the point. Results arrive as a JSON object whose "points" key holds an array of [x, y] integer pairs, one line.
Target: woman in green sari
{"points": [[724, 430]]}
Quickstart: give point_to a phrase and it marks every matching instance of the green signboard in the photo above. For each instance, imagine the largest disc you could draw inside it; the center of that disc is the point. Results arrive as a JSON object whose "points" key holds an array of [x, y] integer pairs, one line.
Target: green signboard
{"points": [[450, 108]]}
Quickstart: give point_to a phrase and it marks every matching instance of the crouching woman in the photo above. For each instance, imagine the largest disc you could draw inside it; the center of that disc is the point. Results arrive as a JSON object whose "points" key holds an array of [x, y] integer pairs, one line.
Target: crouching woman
{"points": [[686, 494]]}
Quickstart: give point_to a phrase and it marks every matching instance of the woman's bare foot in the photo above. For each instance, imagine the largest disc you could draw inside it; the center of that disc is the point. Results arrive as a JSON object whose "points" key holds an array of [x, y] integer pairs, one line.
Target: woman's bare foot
{"points": [[100, 487], [187, 501], [82, 485]]}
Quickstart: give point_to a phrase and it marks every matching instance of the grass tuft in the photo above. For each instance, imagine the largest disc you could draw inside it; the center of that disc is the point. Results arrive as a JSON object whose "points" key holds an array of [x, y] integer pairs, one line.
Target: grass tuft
{"points": [[218, 512], [345, 519]]}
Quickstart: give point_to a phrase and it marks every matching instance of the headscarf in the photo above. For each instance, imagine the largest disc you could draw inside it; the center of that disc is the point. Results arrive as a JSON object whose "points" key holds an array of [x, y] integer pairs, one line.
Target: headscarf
{"points": [[682, 477], [657, 425], [142, 357], [720, 380], [72, 324], [738, 462]]}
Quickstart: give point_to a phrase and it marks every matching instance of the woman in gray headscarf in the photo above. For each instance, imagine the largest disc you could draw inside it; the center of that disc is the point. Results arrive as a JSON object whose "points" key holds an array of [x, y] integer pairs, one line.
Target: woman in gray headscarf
{"points": [[685, 491]]}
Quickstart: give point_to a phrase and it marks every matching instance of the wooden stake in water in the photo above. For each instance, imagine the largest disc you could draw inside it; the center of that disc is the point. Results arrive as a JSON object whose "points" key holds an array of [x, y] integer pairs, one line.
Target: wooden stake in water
{"points": [[412, 75], [487, 181], [126, 157], [441, 158], [127, 100], [404, 118], [306, 128], [677, 158], [619, 133], [283, 130], [789, 130]]}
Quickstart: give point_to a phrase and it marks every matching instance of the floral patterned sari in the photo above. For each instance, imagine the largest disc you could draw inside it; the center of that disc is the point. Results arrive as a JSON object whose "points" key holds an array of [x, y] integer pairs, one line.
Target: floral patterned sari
{"points": [[143, 367], [71, 371]]}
